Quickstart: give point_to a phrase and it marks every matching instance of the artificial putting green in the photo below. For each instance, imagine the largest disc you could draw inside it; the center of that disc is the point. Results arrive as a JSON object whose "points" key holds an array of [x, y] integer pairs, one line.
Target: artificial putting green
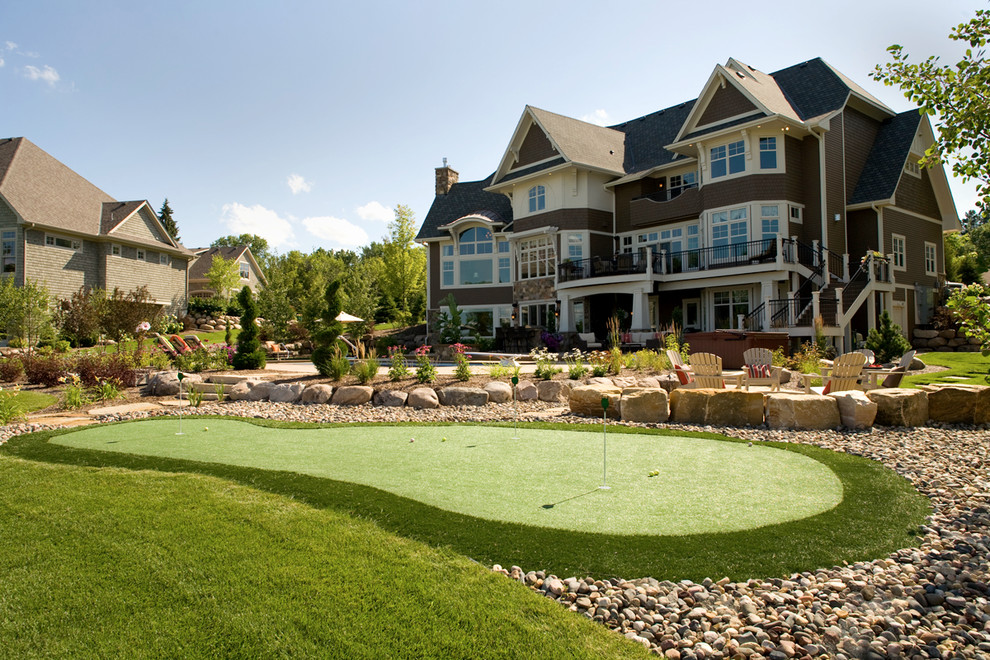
{"points": [[533, 477]]}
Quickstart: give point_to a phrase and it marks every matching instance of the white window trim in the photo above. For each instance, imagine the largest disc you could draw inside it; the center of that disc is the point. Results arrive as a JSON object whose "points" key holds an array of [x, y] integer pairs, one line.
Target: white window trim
{"points": [[141, 254], [242, 266], [116, 250], [800, 209], [912, 167], [533, 193], [893, 250], [457, 257], [76, 244], [164, 259], [551, 245], [934, 251], [747, 158], [750, 300]]}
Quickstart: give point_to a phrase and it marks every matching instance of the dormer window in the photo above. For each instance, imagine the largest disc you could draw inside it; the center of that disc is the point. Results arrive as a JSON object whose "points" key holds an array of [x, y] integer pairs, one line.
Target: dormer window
{"points": [[537, 199], [728, 159], [912, 167]]}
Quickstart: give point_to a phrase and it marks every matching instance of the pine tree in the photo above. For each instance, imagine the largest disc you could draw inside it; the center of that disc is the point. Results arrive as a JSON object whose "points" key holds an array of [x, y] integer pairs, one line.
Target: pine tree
{"points": [[165, 216], [886, 341], [249, 353]]}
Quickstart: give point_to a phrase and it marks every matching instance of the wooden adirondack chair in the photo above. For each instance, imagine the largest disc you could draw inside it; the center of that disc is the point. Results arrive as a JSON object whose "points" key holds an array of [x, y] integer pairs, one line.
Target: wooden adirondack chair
{"points": [[758, 365], [844, 375], [681, 370], [708, 371]]}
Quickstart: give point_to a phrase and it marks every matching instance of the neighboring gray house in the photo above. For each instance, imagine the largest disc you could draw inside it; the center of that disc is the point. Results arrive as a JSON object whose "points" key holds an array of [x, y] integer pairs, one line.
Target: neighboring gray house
{"points": [[58, 229], [250, 271]]}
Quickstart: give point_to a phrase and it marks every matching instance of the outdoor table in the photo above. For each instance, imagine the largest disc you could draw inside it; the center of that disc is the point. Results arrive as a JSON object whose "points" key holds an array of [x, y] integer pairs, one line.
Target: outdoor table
{"points": [[872, 378]]}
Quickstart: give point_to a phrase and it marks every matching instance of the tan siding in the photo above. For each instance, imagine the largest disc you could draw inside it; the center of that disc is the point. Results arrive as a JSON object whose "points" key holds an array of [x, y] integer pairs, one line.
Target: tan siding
{"points": [[535, 147], [861, 132], [61, 270], [916, 195], [727, 102], [166, 284], [915, 232], [140, 226]]}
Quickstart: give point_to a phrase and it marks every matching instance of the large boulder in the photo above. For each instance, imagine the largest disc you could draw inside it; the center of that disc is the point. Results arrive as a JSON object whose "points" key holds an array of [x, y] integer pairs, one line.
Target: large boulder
{"points": [[390, 398], [498, 392], [554, 391], [735, 408], [785, 410], [958, 404], [260, 391], [166, 383], [352, 395], [587, 400], [318, 393], [689, 406], [462, 396], [526, 391], [286, 392], [856, 410], [644, 404], [241, 391], [423, 397], [900, 407]]}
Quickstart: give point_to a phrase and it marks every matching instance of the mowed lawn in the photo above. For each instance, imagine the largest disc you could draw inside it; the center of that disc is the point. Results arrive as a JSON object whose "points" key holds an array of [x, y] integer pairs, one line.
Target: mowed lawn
{"points": [[109, 562], [963, 368]]}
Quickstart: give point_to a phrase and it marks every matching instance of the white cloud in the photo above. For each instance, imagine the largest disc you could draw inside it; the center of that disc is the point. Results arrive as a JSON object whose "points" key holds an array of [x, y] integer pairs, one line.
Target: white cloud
{"points": [[1, 61], [11, 45], [376, 212], [256, 219], [336, 230], [298, 184], [46, 73], [599, 117]]}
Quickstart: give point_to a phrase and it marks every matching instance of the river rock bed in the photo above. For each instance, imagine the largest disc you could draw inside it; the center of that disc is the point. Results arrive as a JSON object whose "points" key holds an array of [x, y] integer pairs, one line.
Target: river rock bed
{"points": [[932, 601]]}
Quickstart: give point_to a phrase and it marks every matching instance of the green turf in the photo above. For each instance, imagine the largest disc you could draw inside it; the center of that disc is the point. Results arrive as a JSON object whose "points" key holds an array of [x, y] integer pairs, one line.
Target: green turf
{"points": [[964, 368], [879, 513], [543, 478], [112, 563], [29, 401]]}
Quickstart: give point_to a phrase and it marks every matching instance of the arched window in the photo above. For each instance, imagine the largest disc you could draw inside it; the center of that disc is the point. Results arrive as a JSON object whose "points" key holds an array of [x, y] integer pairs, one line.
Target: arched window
{"points": [[537, 199], [476, 240]]}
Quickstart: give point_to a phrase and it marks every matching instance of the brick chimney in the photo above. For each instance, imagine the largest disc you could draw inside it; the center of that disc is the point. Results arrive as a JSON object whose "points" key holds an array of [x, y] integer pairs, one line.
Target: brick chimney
{"points": [[446, 178]]}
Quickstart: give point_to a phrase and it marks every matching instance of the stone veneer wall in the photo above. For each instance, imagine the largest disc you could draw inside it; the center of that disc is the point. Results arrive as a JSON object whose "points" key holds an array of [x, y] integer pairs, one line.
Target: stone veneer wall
{"points": [[536, 289], [944, 341]]}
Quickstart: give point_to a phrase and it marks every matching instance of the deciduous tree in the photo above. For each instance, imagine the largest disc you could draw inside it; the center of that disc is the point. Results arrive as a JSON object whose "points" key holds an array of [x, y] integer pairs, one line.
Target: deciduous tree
{"points": [[223, 276]]}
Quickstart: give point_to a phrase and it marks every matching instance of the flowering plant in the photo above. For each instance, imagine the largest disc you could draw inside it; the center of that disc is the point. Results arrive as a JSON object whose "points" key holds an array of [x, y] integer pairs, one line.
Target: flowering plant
{"points": [[143, 326], [462, 369], [425, 371], [398, 369]]}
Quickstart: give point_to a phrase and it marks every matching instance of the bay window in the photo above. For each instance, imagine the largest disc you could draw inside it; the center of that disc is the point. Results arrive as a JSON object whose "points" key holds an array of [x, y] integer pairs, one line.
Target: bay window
{"points": [[768, 153], [537, 199], [477, 259], [537, 257]]}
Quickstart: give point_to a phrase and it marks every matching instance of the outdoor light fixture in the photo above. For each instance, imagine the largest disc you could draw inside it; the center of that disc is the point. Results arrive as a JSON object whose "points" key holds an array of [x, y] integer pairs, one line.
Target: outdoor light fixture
{"points": [[515, 310], [557, 310]]}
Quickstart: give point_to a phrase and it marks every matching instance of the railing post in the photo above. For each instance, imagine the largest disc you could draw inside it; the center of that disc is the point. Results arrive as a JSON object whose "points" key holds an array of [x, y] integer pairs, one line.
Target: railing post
{"points": [[816, 256], [816, 305], [845, 267], [780, 250], [649, 264], [663, 262]]}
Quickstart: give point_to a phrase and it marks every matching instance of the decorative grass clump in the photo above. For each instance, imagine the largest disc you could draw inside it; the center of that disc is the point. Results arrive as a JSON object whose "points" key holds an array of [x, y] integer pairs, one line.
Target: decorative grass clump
{"points": [[879, 512]]}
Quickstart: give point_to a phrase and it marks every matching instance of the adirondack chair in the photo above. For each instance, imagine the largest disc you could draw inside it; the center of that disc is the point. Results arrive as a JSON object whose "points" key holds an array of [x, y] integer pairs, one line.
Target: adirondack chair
{"points": [[681, 370], [708, 371], [758, 365], [844, 374], [892, 378]]}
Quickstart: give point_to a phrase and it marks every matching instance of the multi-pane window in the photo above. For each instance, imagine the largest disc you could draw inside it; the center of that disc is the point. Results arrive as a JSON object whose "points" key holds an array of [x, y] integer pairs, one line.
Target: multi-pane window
{"points": [[8, 251], [537, 257], [447, 250], [768, 153], [476, 240], [897, 244], [537, 199], [504, 270], [728, 159], [115, 250], [730, 228], [728, 305], [164, 261], [140, 254], [912, 167], [59, 241], [475, 262], [931, 264], [681, 182], [447, 268], [245, 270], [626, 244], [769, 221], [796, 214], [536, 314], [575, 246]]}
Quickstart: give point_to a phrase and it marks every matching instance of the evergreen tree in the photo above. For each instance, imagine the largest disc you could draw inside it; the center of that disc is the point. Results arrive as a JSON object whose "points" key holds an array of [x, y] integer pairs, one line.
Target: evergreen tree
{"points": [[887, 341], [165, 216], [249, 353], [326, 337]]}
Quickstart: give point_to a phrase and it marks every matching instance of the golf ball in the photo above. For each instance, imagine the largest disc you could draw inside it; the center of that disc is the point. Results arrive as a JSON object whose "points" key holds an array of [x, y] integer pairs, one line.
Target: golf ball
{"points": [[206, 428]]}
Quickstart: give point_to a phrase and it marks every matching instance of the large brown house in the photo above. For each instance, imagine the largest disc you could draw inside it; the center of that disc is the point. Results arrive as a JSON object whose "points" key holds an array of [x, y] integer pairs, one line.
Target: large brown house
{"points": [[58, 229], [768, 202]]}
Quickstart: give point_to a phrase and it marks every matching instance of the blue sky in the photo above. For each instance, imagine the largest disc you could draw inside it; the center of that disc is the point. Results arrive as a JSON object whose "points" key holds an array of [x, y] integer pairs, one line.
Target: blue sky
{"points": [[307, 122]]}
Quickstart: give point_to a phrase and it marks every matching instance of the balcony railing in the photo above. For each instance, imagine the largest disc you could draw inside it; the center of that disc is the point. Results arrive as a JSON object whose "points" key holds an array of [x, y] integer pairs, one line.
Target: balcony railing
{"points": [[631, 263]]}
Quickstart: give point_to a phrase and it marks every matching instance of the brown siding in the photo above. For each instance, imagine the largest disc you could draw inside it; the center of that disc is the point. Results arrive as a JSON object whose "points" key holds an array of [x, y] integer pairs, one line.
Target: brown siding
{"points": [[915, 232], [571, 219], [811, 169], [835, 194], [433, 261], [493, 295], [535, 147], [860, 133], [916, 195], [745, 189], [602, 246], [727, 102], [862, 228]]}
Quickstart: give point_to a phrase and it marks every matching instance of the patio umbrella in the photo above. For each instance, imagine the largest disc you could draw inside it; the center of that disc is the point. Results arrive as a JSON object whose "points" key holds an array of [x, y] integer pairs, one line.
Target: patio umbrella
{"points": [[344, 317]]}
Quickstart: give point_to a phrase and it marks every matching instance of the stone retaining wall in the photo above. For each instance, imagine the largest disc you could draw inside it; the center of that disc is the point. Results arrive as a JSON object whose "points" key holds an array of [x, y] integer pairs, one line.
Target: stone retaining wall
{"points": [[944, 341]]}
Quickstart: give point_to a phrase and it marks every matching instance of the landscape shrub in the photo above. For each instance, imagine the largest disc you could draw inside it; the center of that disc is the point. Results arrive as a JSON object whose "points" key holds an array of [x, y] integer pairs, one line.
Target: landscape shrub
{"points": [[78, 318], [46, 370], [462, 366], [886, 341], [11, 370], [325, 338], [576, 368], [123, 312], [74, 395], [249, 353], [234, 308], [398, 368], [425, 371], [337, 365], [94, 368], [365, 370], [10, 410], [206, 306], [448, 324], [546, 367]]}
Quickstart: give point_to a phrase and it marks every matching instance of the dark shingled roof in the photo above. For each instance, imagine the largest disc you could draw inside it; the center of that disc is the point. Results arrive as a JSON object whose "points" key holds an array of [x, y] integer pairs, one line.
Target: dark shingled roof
{"points": [[726, 124], [646, 137], [115, 213], [812, 88], [886, 160], [464, 199], [533, 168]]}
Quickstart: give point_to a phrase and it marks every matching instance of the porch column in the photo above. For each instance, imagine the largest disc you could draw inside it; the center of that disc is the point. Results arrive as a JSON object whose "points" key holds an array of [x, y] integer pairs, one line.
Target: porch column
{"points": [[871, 311], [566, 317], [640, 307], [766, 295]]}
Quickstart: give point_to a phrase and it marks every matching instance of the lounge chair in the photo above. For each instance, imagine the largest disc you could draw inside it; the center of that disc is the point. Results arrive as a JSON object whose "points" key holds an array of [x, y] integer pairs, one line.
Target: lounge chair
{"points": [[194, 342], [166, 346], [681, 370], [893, 377], [179, 344], [844, 374], [708, 371], [758, 365], [589, 341]]}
